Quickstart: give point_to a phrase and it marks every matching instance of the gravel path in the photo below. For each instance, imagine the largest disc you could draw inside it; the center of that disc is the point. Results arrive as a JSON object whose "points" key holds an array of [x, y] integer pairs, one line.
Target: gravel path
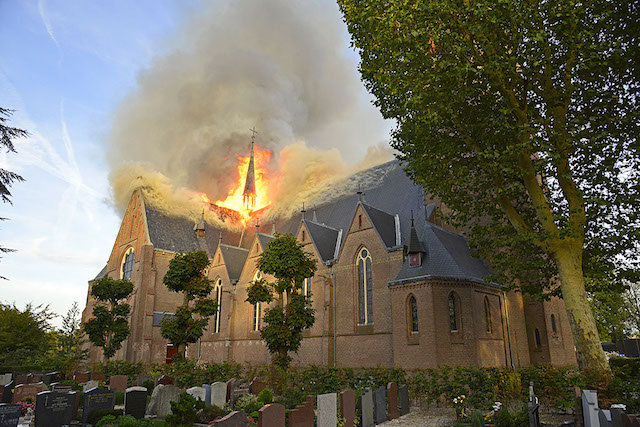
{"points": [[418, 417]]}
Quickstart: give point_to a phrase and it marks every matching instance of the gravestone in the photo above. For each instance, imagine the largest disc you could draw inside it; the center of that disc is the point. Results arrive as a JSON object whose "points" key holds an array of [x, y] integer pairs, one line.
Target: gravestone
{"points": [[135, 402], [604, 417], [302, 415], [1, 392], [63, 388], [7, 393], [5, 379], [327, 410], [166, 380], [590, 408], [392, 400], [348, 407], [34, 377], [239, 388], [9, 414], [89, 385], [271, 415], [366, 409], [97, 398], [54, 409], [161, 398], [28, 392], [616, 415], [630, 421], [257, 386], [52, 377], [234, 419], [80, 377], [219, 394], [118, 382], [207, 394], [142, 378], [20, 379], [197, 392], [403, 400], [229, 385], [379, 405], [98, 376]]}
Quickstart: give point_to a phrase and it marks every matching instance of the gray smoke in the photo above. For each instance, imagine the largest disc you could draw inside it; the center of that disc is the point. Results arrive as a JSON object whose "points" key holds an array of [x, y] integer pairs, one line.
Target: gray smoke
{"points": [[280, 65]]}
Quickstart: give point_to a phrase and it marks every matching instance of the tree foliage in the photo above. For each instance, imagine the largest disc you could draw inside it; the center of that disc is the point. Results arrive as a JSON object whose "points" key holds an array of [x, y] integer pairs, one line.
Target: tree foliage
{"points": [[284, 259], [7, 135], [109, 326], [25, 335], [523, 117], [187, 275], [68, 353]]}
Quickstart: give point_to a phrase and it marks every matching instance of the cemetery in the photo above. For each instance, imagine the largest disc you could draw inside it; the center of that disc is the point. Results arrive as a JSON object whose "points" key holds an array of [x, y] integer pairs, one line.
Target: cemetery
{"points": [[229, 394]]}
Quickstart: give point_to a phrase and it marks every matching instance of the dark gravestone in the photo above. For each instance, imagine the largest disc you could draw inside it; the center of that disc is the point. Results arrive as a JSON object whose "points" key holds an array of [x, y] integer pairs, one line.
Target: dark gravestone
{"points": [[64, 388], [366, 409], [379, 405], [135, 402], [166, 380], [257, 386], [7, 393], [49, 378], [239, 388], [604, 417], [97, 398], [348, 407], [234, 419], [616, 416], [98, 376], [9, 414], [271, 415], [630, 421], [403, 400], [229, 385], [392, 400], [303, 415], [54, 409]]}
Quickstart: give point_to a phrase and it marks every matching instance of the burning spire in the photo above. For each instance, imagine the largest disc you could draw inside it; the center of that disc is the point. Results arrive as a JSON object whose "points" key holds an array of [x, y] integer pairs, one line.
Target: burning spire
{"points": [[249, 194]]}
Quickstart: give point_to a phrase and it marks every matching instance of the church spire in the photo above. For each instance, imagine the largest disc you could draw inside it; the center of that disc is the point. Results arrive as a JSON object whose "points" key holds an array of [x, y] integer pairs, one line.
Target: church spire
{"points": [[249, 194]]}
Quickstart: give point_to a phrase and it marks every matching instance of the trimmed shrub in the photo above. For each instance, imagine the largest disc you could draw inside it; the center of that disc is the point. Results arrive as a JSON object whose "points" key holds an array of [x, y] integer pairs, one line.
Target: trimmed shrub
{"points": [[265, 396]]}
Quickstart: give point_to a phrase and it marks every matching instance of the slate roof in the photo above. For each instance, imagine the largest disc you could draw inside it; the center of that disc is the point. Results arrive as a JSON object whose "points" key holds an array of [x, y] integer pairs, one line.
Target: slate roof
{"points": [[264, 240], [102, 273], [234, 259], [448, 258], [415, 245], [384, 223], [323, 237]]}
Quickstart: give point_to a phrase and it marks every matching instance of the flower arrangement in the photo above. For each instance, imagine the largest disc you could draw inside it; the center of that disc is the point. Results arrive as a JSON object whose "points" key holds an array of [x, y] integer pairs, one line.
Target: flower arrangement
{"points": [[27, 408], [459, 402]]}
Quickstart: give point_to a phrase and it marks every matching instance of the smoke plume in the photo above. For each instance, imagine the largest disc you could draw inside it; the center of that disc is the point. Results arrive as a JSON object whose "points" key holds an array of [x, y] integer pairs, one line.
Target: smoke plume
{"points": [[279, 65]]}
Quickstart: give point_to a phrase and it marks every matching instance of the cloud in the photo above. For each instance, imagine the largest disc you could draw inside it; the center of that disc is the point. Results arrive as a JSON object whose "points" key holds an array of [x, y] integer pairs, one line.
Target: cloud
{"points": [[46, 21]]}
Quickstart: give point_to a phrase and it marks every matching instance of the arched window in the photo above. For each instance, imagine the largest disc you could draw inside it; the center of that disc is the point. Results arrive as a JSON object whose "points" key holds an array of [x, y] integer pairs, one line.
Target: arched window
{"points": [[453, 313], [365, 287], [257, 307], [413, 314], [554, 328], [126, 267], [537, 336], [306, 287], [216, 318], [487, 315]]}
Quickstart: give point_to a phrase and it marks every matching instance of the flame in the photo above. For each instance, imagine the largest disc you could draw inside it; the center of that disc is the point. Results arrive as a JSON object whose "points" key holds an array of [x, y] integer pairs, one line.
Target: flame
{"points": [[204, 198], [234, 200]]}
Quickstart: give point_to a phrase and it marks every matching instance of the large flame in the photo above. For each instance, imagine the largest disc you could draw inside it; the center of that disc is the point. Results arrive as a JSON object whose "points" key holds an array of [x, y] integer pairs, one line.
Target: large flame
{"points": [[234, 198]]}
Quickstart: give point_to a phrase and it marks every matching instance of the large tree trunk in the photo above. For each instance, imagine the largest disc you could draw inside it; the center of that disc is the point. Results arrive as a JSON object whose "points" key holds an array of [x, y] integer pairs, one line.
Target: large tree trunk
{"points": [[182, 350], [568, 258]]}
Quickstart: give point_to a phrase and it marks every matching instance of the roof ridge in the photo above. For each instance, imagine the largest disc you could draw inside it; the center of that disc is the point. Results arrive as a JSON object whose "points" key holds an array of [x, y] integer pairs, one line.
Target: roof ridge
{"points": [[320, 224], [233, 247]]}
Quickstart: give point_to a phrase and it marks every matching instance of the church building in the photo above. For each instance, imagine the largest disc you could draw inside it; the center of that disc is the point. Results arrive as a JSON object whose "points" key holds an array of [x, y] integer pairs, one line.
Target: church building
{"points": [[395, 287]]}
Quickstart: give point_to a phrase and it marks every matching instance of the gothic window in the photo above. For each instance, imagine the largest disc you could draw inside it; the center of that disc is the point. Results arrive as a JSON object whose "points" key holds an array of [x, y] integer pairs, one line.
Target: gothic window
{"points": [[359, 221], [365, 287], [216, 318], [257, 307], [413, 314], [126, 267], [303, 236], [453, 313], [487, 315], [554, 328], [537, 337], [306, 287]]}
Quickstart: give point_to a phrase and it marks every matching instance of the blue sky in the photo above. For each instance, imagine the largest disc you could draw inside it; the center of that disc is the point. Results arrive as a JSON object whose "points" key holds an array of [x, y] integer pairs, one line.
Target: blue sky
{"points": [[64, 67]]}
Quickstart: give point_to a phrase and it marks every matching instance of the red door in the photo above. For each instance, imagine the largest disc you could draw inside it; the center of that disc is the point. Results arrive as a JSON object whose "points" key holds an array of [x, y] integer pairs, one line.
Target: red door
{"points": [[171, 350]]}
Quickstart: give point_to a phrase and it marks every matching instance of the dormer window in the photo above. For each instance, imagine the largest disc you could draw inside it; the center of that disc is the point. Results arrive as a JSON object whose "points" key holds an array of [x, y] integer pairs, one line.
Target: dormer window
{"points": [[415, 260]]}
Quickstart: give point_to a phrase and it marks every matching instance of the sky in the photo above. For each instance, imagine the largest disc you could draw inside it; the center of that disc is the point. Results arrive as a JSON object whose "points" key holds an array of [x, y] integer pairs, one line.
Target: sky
{"points": [[65, 67]]}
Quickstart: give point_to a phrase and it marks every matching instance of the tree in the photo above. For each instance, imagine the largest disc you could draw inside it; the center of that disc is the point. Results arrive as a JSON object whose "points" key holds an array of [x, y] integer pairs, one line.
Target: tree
{"points": [[187, 274], [69, 337], [24, 334], [7, 178], [284, 259], [109, 326], [523, 117]]}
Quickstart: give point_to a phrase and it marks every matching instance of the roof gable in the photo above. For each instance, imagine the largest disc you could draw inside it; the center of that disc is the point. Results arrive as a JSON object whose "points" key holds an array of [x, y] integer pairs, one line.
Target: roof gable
{"points": [[384, 223], [324, 239], [234, 259]]}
